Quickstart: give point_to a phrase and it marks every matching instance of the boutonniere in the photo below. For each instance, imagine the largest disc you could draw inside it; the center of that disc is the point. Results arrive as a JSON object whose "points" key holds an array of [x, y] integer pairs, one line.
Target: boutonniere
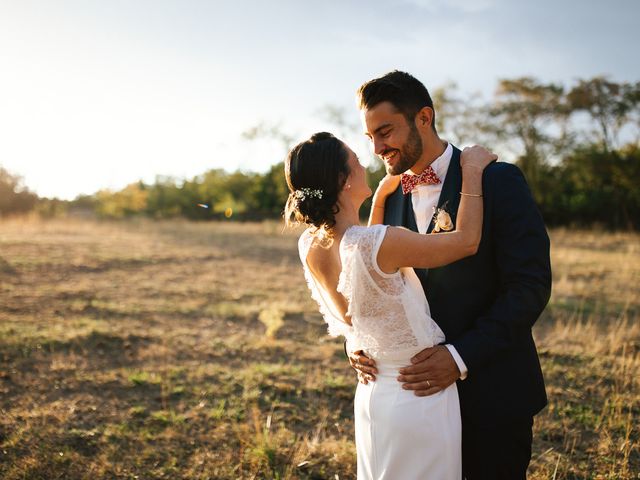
{"points": [[442, 222]]}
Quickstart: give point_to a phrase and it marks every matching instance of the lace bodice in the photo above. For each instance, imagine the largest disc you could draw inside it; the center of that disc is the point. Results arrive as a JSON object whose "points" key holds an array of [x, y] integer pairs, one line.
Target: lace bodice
{"points": [[389, 312]]}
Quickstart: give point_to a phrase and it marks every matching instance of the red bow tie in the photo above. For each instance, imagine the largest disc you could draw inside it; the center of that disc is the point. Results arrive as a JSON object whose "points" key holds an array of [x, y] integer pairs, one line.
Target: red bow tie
{"points": [[427, 177]]}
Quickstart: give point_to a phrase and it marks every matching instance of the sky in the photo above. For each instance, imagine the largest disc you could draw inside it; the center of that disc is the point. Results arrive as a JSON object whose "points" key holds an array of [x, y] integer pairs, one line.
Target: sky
{"points": [[100, 94]]}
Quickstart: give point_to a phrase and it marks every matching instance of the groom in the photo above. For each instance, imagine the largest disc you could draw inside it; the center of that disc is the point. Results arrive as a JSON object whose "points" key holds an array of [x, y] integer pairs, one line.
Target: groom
{"points": [[485, 304]]}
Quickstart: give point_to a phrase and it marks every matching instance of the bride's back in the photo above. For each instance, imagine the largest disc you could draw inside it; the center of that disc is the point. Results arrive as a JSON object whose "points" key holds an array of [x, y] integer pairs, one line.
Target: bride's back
{"points": [[325, 265], [388, 311]]}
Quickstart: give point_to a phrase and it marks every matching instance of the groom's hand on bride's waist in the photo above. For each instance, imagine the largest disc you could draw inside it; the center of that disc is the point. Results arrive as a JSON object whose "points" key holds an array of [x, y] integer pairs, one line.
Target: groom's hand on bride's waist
{"points": [[432, 370], [364, 366]]}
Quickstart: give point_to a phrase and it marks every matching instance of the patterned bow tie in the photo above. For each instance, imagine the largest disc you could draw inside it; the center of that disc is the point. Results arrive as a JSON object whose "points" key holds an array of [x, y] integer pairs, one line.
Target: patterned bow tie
{"points": [[427, 177]]}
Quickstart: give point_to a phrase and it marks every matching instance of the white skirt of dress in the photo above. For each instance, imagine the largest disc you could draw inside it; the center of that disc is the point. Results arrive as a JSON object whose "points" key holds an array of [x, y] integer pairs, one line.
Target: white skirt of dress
{"points": [[400, 436]]}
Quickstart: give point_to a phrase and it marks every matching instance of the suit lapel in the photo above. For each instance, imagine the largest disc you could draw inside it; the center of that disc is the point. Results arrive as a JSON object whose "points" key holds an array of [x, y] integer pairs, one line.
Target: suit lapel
{"points": [[409, 214], [449, 199], [399, 211]]}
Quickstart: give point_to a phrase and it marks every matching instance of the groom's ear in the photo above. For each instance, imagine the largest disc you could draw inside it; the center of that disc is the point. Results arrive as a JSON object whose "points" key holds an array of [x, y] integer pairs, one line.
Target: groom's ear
{"points": [[424, 118]]}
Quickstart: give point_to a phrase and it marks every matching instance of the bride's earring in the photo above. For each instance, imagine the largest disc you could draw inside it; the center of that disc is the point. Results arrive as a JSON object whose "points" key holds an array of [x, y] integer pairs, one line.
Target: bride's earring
{"points": [[348, 185]]}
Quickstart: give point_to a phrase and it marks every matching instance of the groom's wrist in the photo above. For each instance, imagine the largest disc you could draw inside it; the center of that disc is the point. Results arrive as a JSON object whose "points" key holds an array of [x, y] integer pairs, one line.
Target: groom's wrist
{"points": [[462, 367]]}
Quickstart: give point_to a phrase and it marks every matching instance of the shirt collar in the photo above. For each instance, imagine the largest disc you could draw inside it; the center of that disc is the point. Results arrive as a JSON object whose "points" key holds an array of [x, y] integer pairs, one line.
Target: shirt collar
{"points": [[441, 164]]}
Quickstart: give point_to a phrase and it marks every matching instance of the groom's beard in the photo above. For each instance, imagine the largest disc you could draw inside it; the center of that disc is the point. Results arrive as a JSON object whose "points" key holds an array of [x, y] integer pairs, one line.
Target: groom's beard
{"points": [[410, 153]]}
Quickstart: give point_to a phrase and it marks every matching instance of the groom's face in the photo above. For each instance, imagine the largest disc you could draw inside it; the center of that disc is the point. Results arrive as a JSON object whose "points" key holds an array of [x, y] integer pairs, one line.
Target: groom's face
{"points": [[395, 140]]}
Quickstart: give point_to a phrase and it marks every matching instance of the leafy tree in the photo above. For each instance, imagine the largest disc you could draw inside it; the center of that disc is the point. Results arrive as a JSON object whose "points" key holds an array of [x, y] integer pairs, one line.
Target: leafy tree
{"points": [[56, 208], [461, 119], [164, 198], [14, 196], [632, 97], [608, 103], [270, 131], [601, 187], [131, 200], [526, 111], [271, 191]]}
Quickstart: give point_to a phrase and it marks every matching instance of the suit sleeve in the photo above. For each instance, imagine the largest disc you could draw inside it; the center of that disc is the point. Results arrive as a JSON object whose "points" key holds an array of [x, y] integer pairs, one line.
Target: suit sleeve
{"points": [[521, 250]]}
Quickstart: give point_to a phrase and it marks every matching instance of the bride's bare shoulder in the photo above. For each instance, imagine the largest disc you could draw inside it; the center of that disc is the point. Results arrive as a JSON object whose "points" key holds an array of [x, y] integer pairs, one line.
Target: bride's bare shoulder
{"points": [[323, 260], [319, 255]]}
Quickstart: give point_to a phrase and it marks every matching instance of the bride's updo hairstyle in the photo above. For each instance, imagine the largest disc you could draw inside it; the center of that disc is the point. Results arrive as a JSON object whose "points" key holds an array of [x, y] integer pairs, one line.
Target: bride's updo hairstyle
{"points": [[316, 171]]}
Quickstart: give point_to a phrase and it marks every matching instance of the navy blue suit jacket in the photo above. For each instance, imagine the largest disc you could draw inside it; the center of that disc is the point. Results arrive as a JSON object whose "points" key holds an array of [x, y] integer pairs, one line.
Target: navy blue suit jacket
{"points": [[486, 304]]}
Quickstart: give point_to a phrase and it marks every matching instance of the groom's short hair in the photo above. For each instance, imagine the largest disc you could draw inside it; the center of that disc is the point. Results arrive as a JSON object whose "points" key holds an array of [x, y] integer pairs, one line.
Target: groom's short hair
{"points": [[405, 92]]}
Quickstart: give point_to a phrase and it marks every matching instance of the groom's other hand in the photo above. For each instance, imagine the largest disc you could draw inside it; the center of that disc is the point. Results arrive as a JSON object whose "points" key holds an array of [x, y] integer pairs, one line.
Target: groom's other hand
{"points": [[364, 366], [432, 370]]}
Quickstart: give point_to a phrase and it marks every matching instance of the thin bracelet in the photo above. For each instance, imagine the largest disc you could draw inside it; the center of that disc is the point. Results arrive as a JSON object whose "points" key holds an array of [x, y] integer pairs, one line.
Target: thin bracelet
{"points": [[471, 194]]}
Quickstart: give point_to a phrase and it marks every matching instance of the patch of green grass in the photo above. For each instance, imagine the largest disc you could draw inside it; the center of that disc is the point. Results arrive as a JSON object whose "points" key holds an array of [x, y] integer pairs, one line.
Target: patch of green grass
{"points": [[143, 378], [139, 411]]}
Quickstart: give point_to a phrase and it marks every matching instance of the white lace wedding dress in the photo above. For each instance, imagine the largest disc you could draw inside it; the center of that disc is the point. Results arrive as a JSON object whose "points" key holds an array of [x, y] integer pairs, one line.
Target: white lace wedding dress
{"points": [[399, 436]]}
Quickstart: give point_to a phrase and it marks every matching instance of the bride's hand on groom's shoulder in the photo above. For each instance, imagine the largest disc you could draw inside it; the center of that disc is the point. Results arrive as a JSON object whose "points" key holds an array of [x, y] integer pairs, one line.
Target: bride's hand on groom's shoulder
{"points": [[387, 185], [364, 366], [477, 157]]}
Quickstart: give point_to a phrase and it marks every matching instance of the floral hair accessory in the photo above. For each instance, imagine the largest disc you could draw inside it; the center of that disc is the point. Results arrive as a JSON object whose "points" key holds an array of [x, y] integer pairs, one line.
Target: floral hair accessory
{"points": [[304, 193]]}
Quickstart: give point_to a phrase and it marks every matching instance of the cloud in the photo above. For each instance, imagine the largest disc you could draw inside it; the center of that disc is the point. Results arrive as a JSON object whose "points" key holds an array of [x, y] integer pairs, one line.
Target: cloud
{"points": [[460, 6]]}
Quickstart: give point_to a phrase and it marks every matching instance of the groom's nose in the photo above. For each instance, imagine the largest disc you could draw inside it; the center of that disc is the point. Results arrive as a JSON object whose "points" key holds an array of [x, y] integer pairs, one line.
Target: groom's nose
{"points": [[378, 147]]}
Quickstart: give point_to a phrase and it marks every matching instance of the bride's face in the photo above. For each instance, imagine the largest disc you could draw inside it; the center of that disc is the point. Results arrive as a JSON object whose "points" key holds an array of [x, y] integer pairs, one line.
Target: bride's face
{"points": [[356, 184]]}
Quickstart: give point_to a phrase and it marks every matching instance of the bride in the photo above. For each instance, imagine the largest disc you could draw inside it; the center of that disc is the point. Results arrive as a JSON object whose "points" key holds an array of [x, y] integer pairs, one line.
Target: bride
{"points": [[367, 291]]}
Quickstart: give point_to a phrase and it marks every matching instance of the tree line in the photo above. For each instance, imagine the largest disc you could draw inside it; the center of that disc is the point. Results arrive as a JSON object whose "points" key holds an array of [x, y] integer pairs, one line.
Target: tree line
{"points": [[578, 146]]}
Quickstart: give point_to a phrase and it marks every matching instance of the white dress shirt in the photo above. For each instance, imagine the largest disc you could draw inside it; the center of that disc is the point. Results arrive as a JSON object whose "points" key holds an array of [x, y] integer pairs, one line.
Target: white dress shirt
{"points": [[425, 200]]}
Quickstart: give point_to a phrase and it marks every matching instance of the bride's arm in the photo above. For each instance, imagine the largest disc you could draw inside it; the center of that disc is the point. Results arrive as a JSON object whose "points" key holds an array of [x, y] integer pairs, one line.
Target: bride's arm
{"points": [[404, 248], [386, 187]]}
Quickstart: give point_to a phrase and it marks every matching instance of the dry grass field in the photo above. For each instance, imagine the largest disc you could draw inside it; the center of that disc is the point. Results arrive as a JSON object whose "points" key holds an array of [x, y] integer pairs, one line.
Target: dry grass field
{"points": [[176, 350]]}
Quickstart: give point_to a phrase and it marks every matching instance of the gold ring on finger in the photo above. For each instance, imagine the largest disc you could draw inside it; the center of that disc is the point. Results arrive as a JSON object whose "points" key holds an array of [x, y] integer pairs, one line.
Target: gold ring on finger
{"points": [[428, 384]]}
